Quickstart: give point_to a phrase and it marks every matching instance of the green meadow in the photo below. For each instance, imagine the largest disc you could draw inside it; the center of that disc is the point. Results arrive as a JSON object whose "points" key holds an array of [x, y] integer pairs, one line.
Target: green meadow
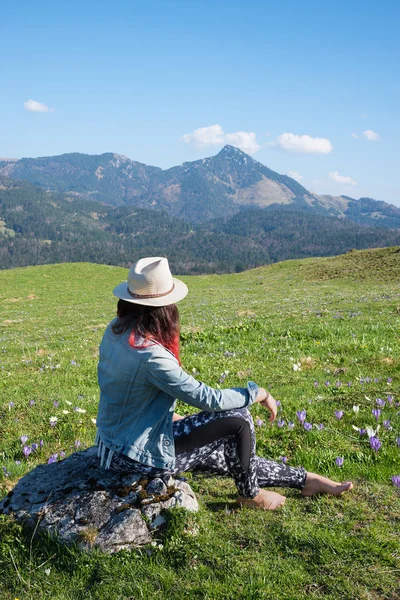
{"points": [[322, 335]]}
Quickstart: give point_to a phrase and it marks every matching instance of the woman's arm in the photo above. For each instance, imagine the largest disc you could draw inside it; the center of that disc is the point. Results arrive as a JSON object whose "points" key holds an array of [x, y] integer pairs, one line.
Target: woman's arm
{"points": [[165, 374], [176, 417]]}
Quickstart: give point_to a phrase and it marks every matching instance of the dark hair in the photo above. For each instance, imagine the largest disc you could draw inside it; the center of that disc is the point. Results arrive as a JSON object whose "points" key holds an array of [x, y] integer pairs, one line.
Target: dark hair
{"points": [[158, 322]]}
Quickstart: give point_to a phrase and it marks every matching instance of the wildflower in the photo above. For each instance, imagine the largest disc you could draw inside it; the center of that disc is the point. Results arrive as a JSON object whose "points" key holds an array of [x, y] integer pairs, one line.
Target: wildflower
{"points": [[356, 409], [24, 439], [62, 454], [339, 414], [307, 426], [316, 384], [327, 383], [349, 384], [31, 402], [53, 421], [26, 451], [296, 366], [386, 424], [290, 425], [389, 380], [79, 410], [398, 442], [376, 413], [283, 459], [69, 403], [52, 459], [321, 426], [77, 443], [11, 405], [55, 404], [280, 423], [41, 443], [73, 363], [339, 461], [301, 415], [259, 423], [34, 447], [338, 384], [396, 480], [371, 432], [375, 443], [380, 402], [18, 462], [93, 421], [390, 399]]}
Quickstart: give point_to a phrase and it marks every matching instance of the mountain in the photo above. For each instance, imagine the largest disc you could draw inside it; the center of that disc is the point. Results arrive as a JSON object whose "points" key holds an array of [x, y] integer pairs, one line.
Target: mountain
{"points": [[200, 191], [38, 227]]}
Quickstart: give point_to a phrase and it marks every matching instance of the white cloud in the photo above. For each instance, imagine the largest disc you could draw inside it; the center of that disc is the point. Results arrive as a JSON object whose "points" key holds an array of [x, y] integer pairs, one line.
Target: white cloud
{"points": [[295, 175], [214, 135], [343, 179], [355, 136], [34, 106], [291, 142], [370, 135]]}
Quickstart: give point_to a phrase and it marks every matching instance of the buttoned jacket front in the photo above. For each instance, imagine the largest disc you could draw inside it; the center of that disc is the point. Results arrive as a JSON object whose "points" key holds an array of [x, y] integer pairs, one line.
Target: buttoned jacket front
{"points": [[138, 392]]}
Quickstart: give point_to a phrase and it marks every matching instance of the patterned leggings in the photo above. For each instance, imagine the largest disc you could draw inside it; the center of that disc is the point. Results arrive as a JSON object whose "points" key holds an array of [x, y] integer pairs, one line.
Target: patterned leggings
{"points": [[220, 443]]}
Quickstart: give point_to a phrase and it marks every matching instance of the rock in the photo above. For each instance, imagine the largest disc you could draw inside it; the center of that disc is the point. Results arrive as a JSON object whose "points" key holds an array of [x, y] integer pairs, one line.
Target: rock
{"points": [[81, 503], [156, 487]]}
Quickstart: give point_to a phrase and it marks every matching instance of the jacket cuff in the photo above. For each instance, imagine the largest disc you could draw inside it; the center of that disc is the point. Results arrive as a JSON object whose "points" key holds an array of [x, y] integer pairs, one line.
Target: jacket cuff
{"points": [[252, 388]]}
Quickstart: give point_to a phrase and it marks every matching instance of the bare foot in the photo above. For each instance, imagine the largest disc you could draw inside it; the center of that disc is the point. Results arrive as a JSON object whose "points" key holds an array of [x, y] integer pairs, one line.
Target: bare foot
{"points": [[265, 500], [317, 484]]}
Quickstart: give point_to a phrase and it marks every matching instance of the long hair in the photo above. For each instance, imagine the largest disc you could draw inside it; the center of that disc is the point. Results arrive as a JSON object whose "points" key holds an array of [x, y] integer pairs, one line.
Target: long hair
{"points": [[159, 323]]}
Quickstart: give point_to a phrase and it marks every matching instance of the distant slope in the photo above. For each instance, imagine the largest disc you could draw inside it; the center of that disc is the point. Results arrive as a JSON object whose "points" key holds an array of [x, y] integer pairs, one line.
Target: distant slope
{"points": [[199, 191], [38, 227]]}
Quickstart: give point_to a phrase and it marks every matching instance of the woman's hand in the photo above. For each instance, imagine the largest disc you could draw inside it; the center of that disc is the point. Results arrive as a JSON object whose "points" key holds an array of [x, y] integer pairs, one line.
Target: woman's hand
{"points": [[267, 401], [176, 417]]}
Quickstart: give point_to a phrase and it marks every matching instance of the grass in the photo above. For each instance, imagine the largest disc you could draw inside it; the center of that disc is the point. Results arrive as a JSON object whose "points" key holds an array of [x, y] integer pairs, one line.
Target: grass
{"points": [[338, 318]]}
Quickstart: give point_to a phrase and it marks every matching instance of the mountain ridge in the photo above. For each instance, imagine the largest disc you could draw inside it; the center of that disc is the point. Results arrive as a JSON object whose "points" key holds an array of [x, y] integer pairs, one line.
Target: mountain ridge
{"points": [[198, 191]]}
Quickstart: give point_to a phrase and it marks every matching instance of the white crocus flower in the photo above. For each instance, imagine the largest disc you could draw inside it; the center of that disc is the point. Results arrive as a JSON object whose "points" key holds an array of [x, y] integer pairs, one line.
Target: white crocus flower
{"points": [[356, 409]]}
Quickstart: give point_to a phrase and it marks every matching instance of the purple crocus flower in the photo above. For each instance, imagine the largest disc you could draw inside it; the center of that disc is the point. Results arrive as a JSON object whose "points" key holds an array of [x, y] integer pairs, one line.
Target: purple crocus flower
{"points": [[363, 431], [375, 443], [398, 442], [301, 415], [52, 459], [349, 384], [34, 447], [386, 424], [338, 384], [11, 405], [77, 443], [41, 443], [259, 423], [339, 461], [62, 454], [389, 380], [278, 402], [284, 459], [55, 404], [73, 362], [339, 414], [24, 439], [18, 462], [321, 426], [31, 402], [307, 426], [280, 423], [327, 383], [380, 402], [316, 384], [396, 480], [290, 425], [390, 399], [26, 451], [376, 413]]}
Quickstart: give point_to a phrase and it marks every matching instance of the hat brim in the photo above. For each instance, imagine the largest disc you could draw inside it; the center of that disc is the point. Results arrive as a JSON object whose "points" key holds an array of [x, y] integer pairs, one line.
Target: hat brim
{"points": [[178, 293]]}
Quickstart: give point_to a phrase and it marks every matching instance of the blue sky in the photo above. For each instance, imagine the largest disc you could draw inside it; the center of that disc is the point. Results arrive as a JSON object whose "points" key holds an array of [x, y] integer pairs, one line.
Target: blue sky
{"points": [[308, 88]]}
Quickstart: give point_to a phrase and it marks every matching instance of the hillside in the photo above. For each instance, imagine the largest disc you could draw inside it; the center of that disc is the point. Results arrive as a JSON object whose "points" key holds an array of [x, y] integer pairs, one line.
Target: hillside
{"points": [[199, 191], [39, 227], [320, 333]]}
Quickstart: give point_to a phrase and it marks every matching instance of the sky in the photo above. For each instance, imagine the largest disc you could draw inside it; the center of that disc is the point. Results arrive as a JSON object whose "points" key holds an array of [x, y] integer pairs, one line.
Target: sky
{"points": [[310, 89]]}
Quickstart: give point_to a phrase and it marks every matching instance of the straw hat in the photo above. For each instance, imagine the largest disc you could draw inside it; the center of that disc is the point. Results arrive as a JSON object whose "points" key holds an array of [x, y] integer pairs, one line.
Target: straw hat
{"points": [[150, 283]]}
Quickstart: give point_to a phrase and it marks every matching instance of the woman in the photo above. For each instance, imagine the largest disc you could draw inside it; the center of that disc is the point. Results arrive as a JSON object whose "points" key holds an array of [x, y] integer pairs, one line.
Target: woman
{"points": [[140, 378]]}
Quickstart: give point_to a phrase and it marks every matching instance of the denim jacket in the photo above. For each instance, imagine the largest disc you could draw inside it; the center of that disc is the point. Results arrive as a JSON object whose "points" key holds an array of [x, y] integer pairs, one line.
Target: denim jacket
{"points": [[138, 392]]}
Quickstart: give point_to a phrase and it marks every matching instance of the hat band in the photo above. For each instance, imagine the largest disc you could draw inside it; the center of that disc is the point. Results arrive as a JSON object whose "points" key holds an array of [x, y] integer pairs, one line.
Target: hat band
{"points": [[145, 296]]}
